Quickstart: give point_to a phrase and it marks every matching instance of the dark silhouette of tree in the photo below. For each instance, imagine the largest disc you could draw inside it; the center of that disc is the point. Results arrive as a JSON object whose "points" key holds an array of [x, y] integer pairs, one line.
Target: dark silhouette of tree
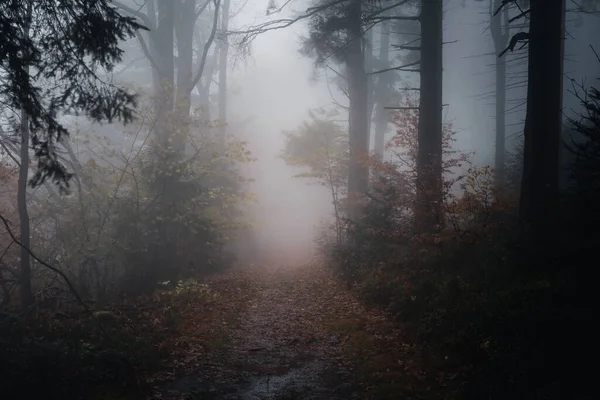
{"points": [[543, 123], [57, 69], [428, 211]]}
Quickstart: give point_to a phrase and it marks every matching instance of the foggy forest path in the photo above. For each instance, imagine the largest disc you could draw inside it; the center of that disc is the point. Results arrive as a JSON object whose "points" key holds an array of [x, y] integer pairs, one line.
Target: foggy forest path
{"points": [[298, 333]]}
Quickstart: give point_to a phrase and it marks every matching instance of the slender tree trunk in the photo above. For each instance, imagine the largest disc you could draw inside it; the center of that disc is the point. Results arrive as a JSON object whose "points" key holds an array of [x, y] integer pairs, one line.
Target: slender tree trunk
{"points": [[358, 120], [205, 84], [382, 93], [26, 291], [429, 156], [543, 124], [223, 58], [167, 151], [151, 12], [165, 63], [369, 59], [499, 29], [184, 30]]}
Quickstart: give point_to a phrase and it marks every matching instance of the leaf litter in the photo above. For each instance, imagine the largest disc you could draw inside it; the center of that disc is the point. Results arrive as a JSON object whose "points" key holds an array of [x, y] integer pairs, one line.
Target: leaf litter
{"points": [[288, 332]]}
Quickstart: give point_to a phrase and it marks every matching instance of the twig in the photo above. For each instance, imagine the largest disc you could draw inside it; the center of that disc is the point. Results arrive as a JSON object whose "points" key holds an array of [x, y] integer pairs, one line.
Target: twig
{"points": [[57, 271]]}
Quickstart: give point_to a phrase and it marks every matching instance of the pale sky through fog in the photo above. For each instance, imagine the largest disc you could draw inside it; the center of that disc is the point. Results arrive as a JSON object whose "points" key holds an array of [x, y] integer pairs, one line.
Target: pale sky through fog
{"points": [[275, 89]]}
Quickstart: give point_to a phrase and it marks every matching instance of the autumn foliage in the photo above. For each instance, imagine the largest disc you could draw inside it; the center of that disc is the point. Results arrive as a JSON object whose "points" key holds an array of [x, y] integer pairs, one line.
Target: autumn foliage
{"points": [[449, 289]]}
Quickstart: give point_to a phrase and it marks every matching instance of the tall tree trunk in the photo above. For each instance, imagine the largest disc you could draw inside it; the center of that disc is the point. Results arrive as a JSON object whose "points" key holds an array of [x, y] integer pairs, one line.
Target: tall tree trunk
{"points": [[499, 29], [369, 68], [184, 31], [382, 93], [543, 123], [151, 13], [429, 156], [223, 58], [26, 293], [358, 120], [165, 66], [168, 154]]}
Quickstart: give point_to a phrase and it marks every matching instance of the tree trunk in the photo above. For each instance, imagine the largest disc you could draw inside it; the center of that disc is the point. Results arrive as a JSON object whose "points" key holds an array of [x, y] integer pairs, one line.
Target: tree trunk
{"points": [[26, 293], [167, 151], [429, 156], [382, 94], [358, 120], [368, 57], [205, 84], [165, 63], [151, 13], [184, 30], [543, 124], [223, 56], [499, 29]]}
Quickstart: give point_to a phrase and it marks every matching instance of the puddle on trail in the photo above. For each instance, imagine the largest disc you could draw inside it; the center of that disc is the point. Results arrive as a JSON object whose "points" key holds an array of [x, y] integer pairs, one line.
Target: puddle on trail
{"points": [[297, 382]]}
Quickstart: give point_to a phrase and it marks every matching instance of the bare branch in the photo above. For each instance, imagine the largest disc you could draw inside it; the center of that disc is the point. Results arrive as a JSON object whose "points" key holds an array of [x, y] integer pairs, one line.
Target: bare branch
{"points": [[393, 18], [44, 263], [399, 68], [250, 34], [207, 45]]}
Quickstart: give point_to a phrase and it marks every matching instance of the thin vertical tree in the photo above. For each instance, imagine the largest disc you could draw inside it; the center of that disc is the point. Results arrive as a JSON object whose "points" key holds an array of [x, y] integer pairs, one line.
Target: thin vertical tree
{"points": [[500, 33], [428, 210]]}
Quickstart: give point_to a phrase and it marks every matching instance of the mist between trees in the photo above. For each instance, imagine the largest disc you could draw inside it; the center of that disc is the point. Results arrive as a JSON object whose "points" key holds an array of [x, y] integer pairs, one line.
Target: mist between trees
{"points": [[144, 167]]}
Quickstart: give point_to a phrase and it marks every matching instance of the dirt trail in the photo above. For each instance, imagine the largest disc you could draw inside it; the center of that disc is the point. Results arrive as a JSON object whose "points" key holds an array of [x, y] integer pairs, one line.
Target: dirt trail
{"points": [[282, 345]]}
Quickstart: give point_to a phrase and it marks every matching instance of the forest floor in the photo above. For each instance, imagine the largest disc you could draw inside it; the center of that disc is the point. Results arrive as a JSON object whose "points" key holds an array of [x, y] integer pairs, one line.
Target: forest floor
{"points": [[290, 332]]}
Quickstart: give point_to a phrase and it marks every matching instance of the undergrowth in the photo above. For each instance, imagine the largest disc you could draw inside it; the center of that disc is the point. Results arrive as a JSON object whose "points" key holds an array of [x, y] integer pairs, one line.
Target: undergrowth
{"points": [[118, 352]]}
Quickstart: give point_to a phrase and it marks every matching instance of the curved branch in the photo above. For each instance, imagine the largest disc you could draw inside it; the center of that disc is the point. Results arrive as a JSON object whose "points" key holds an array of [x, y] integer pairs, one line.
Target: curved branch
{"points": [[207, 45], [44, 263]]}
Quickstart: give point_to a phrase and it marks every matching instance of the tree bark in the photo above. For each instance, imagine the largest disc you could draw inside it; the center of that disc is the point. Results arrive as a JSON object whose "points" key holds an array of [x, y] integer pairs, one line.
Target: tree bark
{"points": [[428, 210], [358, 120], [543, 124]]}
